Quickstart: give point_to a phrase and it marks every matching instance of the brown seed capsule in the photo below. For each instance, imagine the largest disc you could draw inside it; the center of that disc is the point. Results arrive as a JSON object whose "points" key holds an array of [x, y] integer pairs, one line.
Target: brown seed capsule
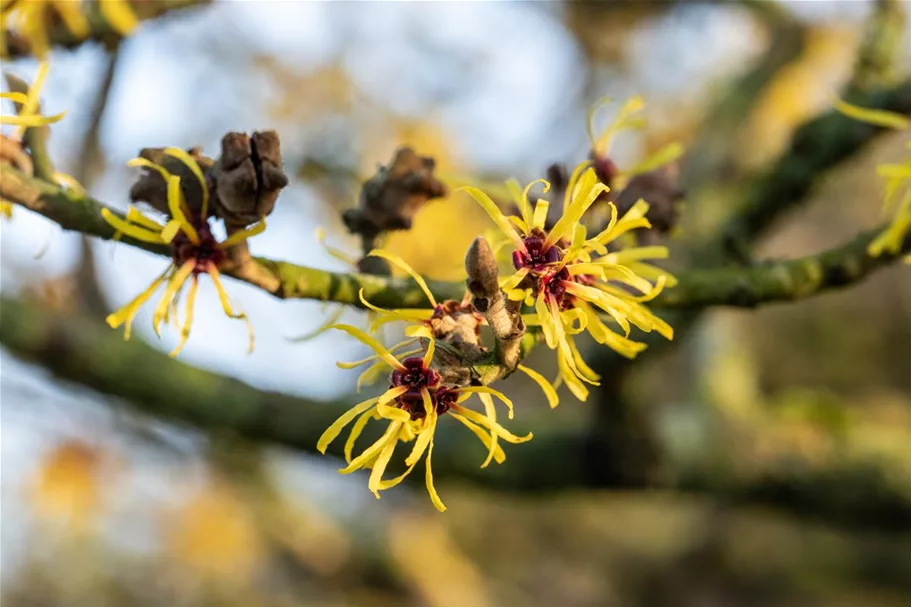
{"points": [[248, 177], [152, 189], [391, 198]]}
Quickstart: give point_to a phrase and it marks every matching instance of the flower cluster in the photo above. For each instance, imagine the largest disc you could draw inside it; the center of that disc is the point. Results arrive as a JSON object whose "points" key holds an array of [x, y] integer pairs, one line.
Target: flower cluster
{"points": [[572, 282], [897, 180], [34, 20], [417, 397], [194, 251], [568, 282]]}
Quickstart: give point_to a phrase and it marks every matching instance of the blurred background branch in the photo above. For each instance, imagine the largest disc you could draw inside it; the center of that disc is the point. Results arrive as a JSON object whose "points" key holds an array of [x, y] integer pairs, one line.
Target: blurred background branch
{"points": [[84, 351]]}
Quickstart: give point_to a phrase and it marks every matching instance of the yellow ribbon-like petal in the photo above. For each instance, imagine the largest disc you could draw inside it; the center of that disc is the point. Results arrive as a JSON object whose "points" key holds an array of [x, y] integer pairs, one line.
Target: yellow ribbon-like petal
{"points": [[338, 425], [119, 15], [356, 431], [488, 440], [662, 157], [127, 312], [379, 466], [494, 427], [402, 265], [188, 320], [426, 434], [176, 281], [176, 205], [491, 208], [883, 118], [392, 413], [428, 478], [139, 233], [31, 121], [515, 191], [373, 344], [241, 235], [391, 434], [481, 390], [552, 399]]}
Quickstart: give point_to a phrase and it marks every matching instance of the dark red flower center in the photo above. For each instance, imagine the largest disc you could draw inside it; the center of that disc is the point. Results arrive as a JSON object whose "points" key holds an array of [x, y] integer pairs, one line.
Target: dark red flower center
{"points": [[448, 308], [536, 257], [416, 377], [207, 254], [553, 285]]}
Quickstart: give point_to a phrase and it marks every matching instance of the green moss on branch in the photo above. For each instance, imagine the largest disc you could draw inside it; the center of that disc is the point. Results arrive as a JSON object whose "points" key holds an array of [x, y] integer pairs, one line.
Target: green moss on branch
{"points": [[741, 286]]}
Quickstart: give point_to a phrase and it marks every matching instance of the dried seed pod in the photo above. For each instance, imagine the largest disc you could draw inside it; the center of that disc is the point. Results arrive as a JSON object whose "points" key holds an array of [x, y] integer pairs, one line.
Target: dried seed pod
{"points": [[152, 189], [391, 198], [248, 177]]}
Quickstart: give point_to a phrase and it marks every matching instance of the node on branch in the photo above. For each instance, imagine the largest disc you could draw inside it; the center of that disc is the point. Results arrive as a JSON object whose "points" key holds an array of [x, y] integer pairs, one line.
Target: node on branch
{"points": [[13, 154]]}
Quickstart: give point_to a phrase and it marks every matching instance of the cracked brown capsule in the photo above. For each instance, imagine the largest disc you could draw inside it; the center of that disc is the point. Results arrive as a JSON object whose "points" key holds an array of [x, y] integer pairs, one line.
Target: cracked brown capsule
{"points": [[248, 177]]}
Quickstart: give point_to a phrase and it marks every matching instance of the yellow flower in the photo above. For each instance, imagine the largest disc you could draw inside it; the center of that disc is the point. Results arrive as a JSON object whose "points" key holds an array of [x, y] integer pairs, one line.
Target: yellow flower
{"points": [[29, 116], [34, 19], [627, 118], [572, 281], [195, 251], [119, 15], [417, 397], [897, 177], [410, 315], [427, 318]]}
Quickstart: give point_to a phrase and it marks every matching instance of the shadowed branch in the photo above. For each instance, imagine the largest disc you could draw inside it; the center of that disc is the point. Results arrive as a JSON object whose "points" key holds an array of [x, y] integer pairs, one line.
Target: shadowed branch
{"points": [[77, 349]]}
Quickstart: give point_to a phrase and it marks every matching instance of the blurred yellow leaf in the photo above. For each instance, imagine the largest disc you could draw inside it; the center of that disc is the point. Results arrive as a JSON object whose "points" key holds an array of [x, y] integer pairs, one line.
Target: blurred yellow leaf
{"points": [[67, 485], [215, 537], [800, 90], [426, 556]]}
